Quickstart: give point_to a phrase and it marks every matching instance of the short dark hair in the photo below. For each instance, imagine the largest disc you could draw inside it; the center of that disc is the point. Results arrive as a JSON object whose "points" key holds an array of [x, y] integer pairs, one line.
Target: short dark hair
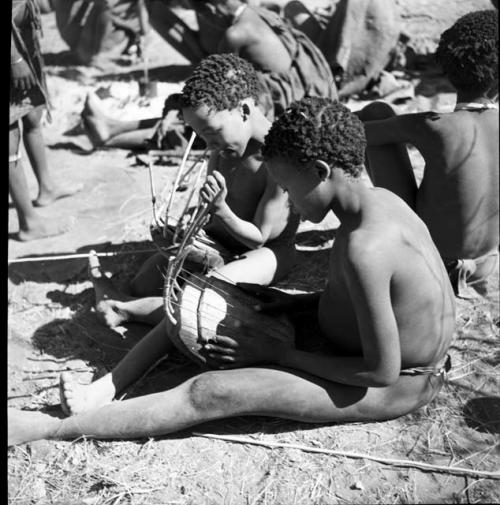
{"points": [[318, 128], [468, 51], [220, 82]]}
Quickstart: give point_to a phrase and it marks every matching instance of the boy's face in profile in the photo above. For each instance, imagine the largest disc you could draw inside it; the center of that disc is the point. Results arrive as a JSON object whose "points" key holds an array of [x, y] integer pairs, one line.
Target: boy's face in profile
{"points": [[304, 186], [225, 132]]}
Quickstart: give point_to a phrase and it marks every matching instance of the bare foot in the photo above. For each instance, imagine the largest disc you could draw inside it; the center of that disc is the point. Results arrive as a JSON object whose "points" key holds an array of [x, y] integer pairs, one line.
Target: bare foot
{"points": [[26, 426], [108, 300], [37, 229], [78, 398], [47, 197], [95, 121]]}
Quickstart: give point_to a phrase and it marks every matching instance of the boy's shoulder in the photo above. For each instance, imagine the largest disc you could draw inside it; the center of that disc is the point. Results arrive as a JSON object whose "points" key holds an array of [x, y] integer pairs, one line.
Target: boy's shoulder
{"points": [[379, 234]]}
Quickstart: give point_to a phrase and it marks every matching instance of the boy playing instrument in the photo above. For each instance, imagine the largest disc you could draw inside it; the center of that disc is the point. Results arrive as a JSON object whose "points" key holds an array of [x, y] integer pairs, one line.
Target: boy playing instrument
{"points": [[388, 310], [251, 217], [458, 196]]}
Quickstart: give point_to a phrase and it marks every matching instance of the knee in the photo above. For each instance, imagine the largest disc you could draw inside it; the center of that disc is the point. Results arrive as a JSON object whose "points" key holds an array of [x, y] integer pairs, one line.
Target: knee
{"points": [[210, 393], [376, 110], [149, 279], [138, 287]]}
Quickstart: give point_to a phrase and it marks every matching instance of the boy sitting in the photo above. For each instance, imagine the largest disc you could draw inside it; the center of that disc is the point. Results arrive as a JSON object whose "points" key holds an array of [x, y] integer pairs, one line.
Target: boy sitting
{"points": [[388, 311], [251, 217], [458, 196]]}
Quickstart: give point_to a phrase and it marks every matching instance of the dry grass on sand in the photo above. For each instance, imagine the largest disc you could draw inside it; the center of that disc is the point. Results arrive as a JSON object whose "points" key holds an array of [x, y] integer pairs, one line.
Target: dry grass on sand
{"points": [[52, 327]]}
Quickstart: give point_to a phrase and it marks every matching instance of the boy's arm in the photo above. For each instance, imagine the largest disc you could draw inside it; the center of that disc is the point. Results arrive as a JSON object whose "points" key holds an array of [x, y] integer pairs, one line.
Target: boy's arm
{"points": [[398, 129], [270, 219], [380, 364]]}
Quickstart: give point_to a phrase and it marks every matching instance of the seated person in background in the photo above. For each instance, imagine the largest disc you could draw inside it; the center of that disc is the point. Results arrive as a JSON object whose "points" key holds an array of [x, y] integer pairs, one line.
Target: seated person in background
{"points": [[388, 311], [289, 67], [357, 38], [458, 196], [251, 217]]}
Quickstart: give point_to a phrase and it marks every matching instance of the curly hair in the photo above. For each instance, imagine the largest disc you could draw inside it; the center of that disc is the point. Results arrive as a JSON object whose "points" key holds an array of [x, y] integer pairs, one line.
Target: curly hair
{"points": [[318, 128], [220, 82], [468, 51]]}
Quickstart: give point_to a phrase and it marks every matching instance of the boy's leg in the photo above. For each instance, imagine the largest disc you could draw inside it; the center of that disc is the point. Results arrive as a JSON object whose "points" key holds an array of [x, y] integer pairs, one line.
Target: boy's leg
{"points": [[34, 143], [77, 398], [114, 307], [31, 225], [105, 131], [389, 166], [248, 391], [149, 279], [259, 266]]}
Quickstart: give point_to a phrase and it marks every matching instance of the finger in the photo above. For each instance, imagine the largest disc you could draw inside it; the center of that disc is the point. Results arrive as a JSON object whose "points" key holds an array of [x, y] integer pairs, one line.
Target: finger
{"points": [[219, 178], [211, 348], [225, 341], [214, 187], [205, 195], [210, 180], [221, 358]]}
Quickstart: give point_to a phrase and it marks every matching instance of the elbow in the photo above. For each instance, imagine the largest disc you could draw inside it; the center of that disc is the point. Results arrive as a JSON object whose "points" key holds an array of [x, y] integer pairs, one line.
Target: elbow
{"points": [[385, 378], [261, 240]]}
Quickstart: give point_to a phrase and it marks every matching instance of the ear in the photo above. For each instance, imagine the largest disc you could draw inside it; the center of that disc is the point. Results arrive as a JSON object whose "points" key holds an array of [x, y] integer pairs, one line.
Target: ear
{"points": [[323, 169]]}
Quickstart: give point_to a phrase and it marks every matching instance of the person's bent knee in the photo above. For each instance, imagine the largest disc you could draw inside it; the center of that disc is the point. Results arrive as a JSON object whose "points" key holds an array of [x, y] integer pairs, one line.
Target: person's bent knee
{"points": [[138, 287], [149, 278], [376, 110], [209, 394]]}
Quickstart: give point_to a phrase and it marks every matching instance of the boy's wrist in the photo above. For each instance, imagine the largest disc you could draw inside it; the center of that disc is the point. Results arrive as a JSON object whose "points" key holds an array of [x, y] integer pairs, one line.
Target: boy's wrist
{"points": [[221, 210]]}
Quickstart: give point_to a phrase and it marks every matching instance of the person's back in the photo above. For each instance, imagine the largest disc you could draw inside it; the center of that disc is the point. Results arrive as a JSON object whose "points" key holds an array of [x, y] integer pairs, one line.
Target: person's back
{"points": [[458, 196], [289, 65], [391, 236], [258, 42]]}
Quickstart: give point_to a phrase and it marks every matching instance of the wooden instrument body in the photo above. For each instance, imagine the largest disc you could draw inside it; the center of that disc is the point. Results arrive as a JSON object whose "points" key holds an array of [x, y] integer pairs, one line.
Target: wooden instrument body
{"points": [[209, 307]]}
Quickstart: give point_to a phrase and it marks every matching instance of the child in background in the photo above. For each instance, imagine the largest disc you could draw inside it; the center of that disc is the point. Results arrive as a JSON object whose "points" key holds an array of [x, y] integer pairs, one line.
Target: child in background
{"points": [[458, 196]]}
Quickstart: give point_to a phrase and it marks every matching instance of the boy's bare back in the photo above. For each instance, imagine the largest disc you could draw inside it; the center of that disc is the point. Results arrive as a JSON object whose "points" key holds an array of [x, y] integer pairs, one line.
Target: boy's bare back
{"points": [[458, 196], [391, 248]]}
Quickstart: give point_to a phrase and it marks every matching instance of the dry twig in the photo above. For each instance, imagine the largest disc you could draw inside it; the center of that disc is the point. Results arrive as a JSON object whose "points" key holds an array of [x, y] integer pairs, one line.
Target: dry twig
{"points": [[356, 455]]}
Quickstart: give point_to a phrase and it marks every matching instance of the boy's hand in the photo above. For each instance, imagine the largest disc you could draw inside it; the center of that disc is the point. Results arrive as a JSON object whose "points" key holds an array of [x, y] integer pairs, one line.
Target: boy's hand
{"points": [[214, 191], [251, 348], [271, 301], [21, 76]]}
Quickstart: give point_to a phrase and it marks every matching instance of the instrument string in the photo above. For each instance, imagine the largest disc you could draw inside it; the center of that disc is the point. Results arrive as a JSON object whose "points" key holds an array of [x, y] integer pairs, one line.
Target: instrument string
{"points": [[271, 332], [228, 304]]}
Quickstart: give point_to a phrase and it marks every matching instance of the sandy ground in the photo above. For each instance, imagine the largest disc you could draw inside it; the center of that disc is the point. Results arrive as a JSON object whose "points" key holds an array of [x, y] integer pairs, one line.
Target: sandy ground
{"points": [[52, 327]]}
